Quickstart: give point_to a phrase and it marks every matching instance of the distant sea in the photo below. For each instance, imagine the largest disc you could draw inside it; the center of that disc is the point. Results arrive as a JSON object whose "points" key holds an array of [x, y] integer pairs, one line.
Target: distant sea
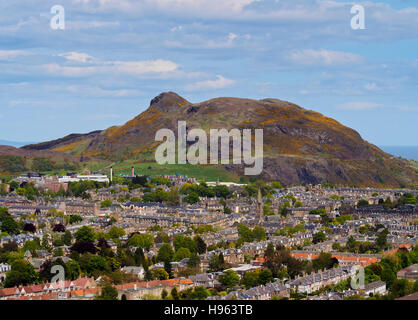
{"points": [[16, 144], [406, 152]]}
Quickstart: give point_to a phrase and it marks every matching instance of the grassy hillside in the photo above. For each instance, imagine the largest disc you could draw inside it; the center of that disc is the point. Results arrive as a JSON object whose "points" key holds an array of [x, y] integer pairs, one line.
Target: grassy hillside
{"points": [[207, 173]]}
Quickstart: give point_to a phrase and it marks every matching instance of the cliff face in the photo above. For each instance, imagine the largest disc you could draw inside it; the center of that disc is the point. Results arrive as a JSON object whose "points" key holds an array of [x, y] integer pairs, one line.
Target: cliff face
{"points": [[300, 146]]}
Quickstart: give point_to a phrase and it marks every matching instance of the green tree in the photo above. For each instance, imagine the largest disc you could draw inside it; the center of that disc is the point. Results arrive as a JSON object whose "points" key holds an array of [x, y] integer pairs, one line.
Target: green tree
{"points": [[106, 203], [160, 274], [216, 262], [324, 261], [194, 261], [265, 276], [319, 237], [98, 265], [108, 292], [32, 245], [21, 273], [175, 294], [268, 254], [168, 269], [388, 276], [73, 270], [259, 233], [381, 239], [143, 240], [191, 198], [181, 254], [182, 241], [58, 252], [75, 218], [115, 232], [9, 225], [200, 293], [173, 197], [67, 238], [245, 233], [165, 253], [362, 203], [229, 278], [84, 234], [249, 280], [200, 244], [222, 191]]}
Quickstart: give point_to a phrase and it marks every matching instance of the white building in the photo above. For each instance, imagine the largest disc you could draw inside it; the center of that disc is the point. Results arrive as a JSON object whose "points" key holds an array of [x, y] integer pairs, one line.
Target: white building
{"points": [[375, 287], [4, 268], [80, 177], [94, 177]]}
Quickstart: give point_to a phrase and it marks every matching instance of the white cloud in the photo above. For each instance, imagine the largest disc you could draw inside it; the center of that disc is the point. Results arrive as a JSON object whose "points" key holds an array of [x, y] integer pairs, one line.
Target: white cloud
{"points": [[178, 28], [407, 108], [77, 57], [15, 103], [194, 8], [359, 105], [371, 86], [141, 67], [58, 70], [99, 92], [82, 25], [96, 66], [11, 54], [324, 57], [219, 83], [197, 42]]}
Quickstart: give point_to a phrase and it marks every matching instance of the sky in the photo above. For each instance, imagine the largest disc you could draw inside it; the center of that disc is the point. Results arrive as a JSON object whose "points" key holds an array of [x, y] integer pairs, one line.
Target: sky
{"points": [[114, 56]]}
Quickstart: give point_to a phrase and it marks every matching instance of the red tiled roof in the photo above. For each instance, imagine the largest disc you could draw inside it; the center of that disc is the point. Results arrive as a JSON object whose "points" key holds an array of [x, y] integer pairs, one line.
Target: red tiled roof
{"points": [[7, 292], [34, 288]]}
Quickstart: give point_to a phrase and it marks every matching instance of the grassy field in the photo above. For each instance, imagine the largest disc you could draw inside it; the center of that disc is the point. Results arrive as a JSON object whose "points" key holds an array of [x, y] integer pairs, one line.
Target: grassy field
{"points": [[207, 173], [201, 173]]}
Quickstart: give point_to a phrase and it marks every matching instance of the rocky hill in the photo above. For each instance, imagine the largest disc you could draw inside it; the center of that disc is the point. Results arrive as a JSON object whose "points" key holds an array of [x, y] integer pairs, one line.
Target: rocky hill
{"points": [[300, 146]]}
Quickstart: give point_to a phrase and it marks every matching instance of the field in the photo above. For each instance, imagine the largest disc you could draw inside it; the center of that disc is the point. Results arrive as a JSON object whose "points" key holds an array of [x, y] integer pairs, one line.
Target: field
{"points": [[206, 173]]}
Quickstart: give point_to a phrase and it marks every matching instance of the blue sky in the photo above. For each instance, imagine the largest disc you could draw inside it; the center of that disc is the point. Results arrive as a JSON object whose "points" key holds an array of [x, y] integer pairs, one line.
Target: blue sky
{"points": [[114, 56]]}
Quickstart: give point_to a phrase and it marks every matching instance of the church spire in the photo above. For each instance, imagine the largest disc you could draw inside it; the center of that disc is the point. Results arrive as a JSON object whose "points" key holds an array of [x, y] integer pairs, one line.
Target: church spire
{"points": [[260, 213], [259, 198]]}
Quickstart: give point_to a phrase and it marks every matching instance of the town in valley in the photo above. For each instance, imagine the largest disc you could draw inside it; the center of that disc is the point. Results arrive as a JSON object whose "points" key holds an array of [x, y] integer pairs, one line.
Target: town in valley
{"points": [[132, 236]]}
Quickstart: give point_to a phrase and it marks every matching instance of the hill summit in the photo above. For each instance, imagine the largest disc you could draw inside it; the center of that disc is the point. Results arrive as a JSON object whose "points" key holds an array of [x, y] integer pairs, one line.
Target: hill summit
{"points": [[300, 145]]}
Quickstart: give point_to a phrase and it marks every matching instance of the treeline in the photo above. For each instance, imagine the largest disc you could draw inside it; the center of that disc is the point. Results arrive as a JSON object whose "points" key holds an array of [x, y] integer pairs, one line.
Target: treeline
{"points": [[406, 198], [16, 164], [386, 270]]}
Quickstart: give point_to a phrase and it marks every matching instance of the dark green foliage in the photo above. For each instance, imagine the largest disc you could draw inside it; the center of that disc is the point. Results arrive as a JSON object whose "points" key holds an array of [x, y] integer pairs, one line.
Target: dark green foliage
{"points": [[319, 237], [75, 218], [200, 244], [85, 234], [191, 198], [83, 247], [42, 165], [108, 293], [22, 273], [229, 279], [12, 164], [182, 241]]}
